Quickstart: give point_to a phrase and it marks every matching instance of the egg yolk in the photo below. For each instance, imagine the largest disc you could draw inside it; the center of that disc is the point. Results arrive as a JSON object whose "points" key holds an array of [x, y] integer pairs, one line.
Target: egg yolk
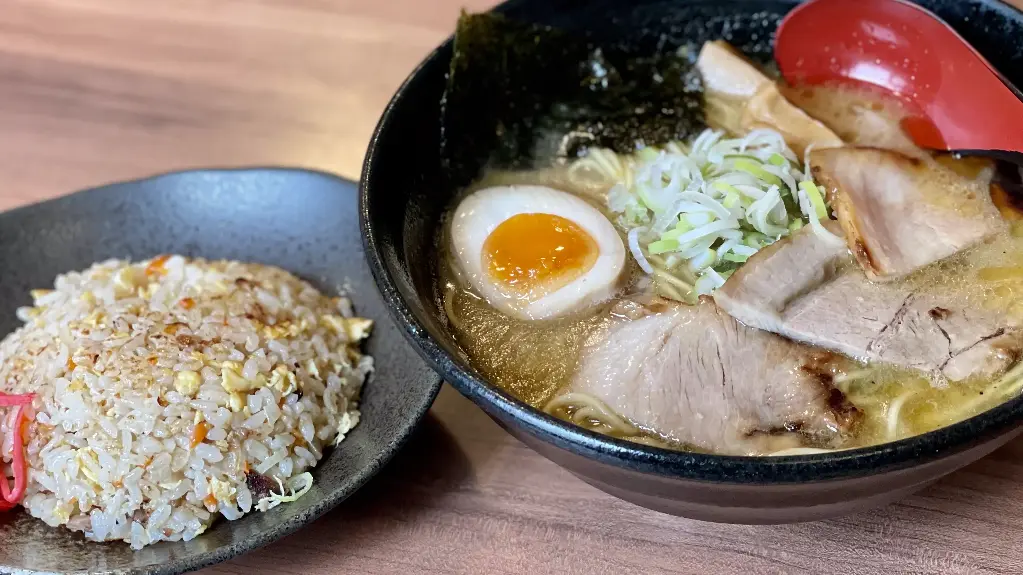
{"points": [[531, 252]]}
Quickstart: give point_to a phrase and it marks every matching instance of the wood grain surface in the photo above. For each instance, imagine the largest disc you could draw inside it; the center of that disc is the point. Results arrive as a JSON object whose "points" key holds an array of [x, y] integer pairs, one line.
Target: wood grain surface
{"points": [[93, 91]]}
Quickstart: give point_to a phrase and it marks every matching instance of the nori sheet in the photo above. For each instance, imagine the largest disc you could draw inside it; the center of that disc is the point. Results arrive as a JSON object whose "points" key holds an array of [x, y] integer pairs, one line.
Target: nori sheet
{"points": [[521, 94]]}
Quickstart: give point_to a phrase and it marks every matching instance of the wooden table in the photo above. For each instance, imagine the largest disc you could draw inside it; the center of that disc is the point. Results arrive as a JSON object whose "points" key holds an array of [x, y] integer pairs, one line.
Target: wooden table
{"points": [[93, 91]]}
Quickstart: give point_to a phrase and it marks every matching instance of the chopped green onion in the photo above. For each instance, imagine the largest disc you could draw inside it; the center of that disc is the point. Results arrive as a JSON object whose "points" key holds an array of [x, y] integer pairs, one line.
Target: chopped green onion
{"points": [[683, 226], [663, 246], [703, 261], [756, 240], [726, 188], [654, 179], [648, 154], [697, 219], [635, 213], [673, 234], [816, 200], [739, 157], [757, 171], [645, 198], [731, 200]]}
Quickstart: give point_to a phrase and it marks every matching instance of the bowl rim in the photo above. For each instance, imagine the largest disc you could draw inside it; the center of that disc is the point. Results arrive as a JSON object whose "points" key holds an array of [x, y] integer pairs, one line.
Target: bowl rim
{"points": [[743, 470]]}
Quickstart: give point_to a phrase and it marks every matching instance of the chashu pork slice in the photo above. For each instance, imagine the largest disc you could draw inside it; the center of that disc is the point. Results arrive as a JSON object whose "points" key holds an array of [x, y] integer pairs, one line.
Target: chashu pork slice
{"points": [[900, 213], [695, 375], [741, 98], [808, 288], [859, 118]]}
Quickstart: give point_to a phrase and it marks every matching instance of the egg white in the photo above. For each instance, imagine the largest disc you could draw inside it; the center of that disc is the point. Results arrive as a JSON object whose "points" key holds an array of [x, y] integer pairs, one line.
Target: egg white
{"points": [[479, 214]]}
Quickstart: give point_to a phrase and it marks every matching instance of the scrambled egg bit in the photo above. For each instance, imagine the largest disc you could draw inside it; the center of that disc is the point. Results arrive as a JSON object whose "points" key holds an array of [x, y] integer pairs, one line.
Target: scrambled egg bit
{"points": [[187, 383]]}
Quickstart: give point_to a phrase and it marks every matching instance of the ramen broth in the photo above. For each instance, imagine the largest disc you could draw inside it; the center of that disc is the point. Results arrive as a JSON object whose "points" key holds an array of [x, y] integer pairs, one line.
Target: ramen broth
{"points": [[536, 360]]}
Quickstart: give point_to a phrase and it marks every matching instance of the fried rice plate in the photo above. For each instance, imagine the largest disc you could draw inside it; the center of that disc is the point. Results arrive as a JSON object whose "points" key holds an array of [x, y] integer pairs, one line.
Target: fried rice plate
{"points": [[173, 392]]}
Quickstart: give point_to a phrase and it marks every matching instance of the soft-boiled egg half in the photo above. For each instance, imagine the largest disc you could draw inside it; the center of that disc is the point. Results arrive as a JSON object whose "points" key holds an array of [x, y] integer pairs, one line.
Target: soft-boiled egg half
{"points": [[535, 252]]}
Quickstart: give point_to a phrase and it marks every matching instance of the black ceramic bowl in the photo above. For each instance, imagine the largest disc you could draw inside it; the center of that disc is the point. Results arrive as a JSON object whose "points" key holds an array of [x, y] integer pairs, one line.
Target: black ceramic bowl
{"points": [[304, 222], [405, 189]]}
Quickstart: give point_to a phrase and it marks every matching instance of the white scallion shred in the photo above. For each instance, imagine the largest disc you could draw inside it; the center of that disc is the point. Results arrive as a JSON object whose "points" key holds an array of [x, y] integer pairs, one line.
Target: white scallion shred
{"points": [[637, 251], [298, 486], [708, 206]]}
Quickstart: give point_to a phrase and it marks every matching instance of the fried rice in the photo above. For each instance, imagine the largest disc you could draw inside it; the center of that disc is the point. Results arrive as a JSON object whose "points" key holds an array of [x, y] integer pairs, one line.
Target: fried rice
{"points": [[173, 392]]}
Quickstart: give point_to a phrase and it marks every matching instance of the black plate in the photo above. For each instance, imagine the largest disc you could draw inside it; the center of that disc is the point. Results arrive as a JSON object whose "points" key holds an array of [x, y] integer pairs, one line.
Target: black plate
{"points": [[304, 222]]}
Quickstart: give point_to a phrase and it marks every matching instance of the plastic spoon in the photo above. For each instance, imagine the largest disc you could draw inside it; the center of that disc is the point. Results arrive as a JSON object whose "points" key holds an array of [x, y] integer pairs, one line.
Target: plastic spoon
{"points": [[957, 100]]}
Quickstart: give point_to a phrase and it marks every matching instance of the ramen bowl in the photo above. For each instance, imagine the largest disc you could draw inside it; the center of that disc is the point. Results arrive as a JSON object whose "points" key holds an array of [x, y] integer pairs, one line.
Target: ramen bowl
{"points": [[406, 188]]}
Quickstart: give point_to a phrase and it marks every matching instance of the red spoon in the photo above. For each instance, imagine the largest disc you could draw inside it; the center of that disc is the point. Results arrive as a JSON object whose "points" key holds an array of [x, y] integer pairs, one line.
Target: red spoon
{"points": [[958, 101]]}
